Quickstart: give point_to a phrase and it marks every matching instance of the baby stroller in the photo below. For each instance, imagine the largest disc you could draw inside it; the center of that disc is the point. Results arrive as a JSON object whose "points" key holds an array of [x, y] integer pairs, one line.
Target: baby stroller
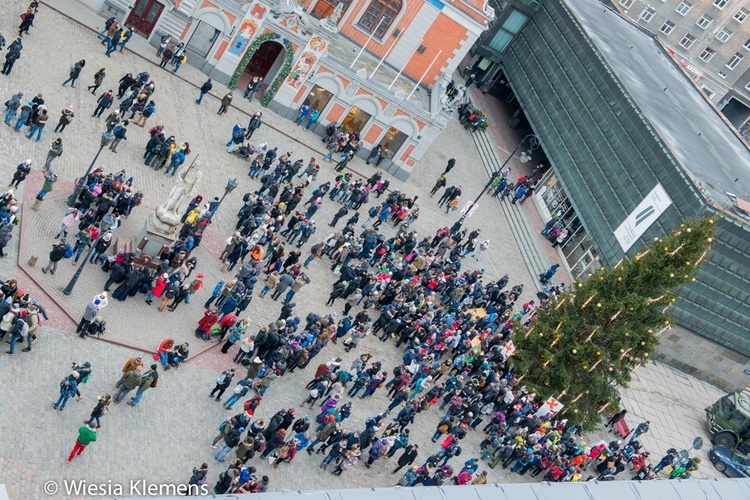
{"points": [[245, 152]]}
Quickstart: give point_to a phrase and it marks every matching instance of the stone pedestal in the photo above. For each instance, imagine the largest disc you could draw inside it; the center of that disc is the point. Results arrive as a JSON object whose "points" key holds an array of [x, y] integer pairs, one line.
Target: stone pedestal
{"points": [[161, 228], [151, 241]]}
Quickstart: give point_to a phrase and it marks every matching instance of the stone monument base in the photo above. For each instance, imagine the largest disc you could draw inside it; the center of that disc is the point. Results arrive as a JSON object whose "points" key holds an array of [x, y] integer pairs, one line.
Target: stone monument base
{"points": [[150, 240]]}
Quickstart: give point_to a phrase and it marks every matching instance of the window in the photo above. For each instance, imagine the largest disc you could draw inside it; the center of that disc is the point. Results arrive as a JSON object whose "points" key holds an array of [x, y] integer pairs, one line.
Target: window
{"points": [[667, 27], [647, 14], [708, 91], [393, 140], [203, 39], [720, 4], [724, 34], [747, 44], [707, 54], [684, 8], [626, 3], [318, 98], [741, 15], [379, 16], [747, 87], [704, 21], [735, 60], [508, 30], [687, 41], [355, 120], [722, 75]]}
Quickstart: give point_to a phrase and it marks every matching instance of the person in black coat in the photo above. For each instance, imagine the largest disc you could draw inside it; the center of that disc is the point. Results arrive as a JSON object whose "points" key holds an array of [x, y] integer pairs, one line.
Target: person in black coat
{"points": [[273, 425], [449, 167], [343, 211], [130, 283], [116, 275], [287, 419], [205, 89], [407, 458]]}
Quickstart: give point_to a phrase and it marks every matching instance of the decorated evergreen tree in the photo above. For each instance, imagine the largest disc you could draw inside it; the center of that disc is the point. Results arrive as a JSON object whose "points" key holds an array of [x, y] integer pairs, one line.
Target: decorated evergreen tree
{"points": [[587, 343]]}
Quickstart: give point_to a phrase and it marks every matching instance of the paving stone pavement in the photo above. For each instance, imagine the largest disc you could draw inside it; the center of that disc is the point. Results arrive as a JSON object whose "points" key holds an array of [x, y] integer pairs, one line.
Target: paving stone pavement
{"points": [[174, 424]]}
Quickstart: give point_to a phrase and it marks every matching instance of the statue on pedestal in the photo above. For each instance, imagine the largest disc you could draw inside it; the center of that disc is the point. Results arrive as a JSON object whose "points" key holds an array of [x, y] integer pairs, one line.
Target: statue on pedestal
{"points": [[167, 216], [331, 23]]}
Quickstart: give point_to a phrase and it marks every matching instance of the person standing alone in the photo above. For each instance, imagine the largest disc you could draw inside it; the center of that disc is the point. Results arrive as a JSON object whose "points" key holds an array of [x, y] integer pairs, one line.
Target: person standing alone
{"points": [[86, 436]]}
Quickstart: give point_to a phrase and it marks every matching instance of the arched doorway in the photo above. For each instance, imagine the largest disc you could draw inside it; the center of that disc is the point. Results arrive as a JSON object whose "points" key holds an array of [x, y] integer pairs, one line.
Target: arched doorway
{"points": [[268, 56], [263, 60]]}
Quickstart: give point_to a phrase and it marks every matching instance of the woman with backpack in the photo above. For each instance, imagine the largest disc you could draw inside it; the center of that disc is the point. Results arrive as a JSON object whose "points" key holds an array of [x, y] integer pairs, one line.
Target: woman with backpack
{"points": [[98, 79], [13, 105], [148, 111], [166, 56], [68, 387], [75, 72]]}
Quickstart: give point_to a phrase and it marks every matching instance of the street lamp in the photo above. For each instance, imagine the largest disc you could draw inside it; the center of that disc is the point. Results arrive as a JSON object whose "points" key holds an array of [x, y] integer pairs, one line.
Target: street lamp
{"points": [[231, 186], [533, 142], [72, 284], [106, 138]]}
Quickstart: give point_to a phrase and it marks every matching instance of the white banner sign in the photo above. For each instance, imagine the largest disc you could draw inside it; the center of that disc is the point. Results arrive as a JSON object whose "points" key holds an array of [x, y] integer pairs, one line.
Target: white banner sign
{"points": [[550, 407], [640, 219]]}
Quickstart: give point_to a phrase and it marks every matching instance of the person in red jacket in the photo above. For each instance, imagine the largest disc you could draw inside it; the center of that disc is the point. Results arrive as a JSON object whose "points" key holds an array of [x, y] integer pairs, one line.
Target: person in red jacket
{"points": [[163, 350], [226, 323], [158, 289], [209, 319]]}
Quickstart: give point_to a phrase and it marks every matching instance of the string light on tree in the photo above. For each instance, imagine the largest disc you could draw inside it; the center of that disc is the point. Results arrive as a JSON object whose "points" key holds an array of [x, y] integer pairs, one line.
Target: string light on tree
{"points": [[622, 321]]}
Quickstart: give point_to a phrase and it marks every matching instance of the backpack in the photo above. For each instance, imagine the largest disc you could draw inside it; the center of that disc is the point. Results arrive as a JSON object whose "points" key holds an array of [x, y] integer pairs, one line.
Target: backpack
{"points": [[65, 384], [220, 380], [68, 251], [148, 111], [223, 425]]}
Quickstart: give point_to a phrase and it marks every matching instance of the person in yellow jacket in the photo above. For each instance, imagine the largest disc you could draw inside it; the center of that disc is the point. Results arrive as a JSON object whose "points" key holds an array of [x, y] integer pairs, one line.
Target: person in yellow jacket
{"points": [[180, 60]]}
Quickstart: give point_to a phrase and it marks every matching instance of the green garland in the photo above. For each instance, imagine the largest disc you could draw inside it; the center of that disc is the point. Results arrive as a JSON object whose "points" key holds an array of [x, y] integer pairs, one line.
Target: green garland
{"points": [[285, 70]]}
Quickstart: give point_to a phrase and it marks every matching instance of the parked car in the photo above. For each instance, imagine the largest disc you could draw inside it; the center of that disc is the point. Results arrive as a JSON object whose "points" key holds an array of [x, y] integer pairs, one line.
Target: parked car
{"points": [[729, 462]]}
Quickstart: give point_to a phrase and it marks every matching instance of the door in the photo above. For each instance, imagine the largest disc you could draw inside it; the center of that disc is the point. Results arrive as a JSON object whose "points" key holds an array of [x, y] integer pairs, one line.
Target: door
{"points": [[324, 8], [144, 16]]}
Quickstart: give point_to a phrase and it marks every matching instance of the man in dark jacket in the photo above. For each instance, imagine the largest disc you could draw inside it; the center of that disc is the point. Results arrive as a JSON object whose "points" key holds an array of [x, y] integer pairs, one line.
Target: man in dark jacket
{"points": [[224, 380], [341, 213], [408, 457], [13, 54], [148, 380], [230, 442], [103, 102], [55, 256], [116, 275], [205, 89]]}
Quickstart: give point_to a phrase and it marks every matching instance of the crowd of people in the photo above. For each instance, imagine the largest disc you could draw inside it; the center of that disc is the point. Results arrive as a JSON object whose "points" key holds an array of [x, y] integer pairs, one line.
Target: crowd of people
{"points": [[453, 325]]}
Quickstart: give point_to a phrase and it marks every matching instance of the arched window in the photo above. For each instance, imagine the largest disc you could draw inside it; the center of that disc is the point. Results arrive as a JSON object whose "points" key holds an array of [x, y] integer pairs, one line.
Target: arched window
{"points": [[379, 16]]}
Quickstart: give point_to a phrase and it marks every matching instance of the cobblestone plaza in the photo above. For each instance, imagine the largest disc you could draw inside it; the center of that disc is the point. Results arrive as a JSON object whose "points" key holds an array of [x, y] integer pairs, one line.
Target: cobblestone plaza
{"points": [[170, 432]]}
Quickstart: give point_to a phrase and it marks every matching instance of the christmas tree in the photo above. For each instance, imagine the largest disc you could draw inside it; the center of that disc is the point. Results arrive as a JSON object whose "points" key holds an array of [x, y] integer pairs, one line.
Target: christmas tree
{"points": [[586, 344]]}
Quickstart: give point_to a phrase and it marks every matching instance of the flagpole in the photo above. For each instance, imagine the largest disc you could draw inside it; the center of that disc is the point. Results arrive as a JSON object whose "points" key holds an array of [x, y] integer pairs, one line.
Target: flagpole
{"points": [[387, 53], [407, 62], [424, 74], [367, 42]]}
